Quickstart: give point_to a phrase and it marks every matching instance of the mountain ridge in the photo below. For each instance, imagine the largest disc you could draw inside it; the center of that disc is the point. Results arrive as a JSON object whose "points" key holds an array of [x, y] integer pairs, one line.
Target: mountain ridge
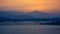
{"points": [[22, 15]]}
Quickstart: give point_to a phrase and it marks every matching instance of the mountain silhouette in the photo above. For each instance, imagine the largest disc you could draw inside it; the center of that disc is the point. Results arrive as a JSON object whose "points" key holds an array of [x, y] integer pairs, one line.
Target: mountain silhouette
{"points": [[22, 15]]}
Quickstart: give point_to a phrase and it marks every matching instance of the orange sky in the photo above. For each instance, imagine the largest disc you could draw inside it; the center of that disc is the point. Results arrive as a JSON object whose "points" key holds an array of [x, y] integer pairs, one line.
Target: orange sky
{"points": [[28, 5]]}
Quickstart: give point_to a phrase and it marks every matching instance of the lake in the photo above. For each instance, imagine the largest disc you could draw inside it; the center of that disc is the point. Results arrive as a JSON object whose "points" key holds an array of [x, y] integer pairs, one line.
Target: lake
{"points": [[29, 29], [24, 22]]}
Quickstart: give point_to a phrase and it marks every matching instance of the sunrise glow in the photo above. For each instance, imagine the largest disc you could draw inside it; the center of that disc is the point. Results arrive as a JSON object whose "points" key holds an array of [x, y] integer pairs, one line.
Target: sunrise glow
{"points": [[29, 5]]}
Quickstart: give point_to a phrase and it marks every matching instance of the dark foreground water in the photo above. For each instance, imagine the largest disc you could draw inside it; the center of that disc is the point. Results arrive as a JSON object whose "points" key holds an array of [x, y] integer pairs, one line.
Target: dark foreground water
{"points": [[29, 29]]}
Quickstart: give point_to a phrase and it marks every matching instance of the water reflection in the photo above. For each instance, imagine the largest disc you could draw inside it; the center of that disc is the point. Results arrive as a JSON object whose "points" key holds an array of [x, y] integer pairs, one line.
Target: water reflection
{"points": [[25, 22], [29, 29]]}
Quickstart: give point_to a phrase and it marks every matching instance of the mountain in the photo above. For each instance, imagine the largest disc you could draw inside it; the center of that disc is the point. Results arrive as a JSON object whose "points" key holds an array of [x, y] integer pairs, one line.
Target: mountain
{"points": [[40, 14], [14, 15], [22, 15], [7, 15], [55, 12]]}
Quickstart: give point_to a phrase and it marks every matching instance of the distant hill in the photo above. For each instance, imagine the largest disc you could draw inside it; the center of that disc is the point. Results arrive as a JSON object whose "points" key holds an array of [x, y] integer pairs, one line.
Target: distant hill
{"points": [[38, 14], [14, 15], [22, 15]]}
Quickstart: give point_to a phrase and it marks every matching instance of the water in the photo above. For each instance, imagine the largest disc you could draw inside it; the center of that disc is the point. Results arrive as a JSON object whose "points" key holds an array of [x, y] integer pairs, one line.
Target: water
{"points": [[25, 22], [29, 29]]}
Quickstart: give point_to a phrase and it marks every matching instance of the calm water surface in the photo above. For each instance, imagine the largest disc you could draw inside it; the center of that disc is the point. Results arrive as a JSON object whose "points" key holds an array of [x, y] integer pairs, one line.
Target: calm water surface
{"points": [[29, 29]]}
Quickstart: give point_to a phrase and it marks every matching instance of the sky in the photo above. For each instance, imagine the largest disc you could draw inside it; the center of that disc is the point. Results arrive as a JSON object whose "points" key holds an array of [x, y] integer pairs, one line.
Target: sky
{"points": [[29, 5]]}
